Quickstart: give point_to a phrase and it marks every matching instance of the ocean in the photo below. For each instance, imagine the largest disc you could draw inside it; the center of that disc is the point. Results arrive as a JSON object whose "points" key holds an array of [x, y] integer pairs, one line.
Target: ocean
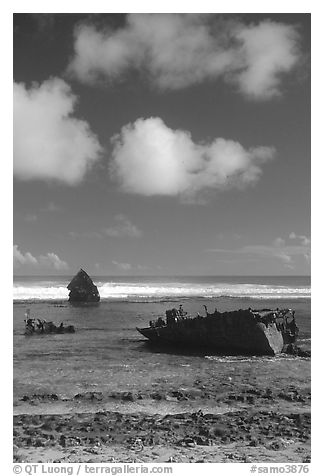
{"points": [[50, 288], [108, 356]]}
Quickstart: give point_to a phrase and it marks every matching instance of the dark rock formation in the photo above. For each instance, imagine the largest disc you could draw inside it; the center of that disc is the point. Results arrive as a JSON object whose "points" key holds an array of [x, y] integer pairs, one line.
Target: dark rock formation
{"points": [[82, 289], [293, 349]]}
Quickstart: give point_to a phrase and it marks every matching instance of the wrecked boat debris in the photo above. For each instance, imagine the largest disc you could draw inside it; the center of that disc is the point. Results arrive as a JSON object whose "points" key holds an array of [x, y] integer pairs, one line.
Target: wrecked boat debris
{"points": [[82, 289], [40, 326], [245, 331]]}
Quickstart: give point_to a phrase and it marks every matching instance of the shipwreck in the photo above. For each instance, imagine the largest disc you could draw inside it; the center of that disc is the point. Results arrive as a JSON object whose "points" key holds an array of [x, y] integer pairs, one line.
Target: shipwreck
{"points": [[82, 289], [245, 331], [40, 326]]}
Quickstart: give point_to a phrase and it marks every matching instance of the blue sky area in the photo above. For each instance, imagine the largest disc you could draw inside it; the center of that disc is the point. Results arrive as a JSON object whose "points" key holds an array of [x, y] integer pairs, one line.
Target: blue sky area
{"points": [[162, 144]]}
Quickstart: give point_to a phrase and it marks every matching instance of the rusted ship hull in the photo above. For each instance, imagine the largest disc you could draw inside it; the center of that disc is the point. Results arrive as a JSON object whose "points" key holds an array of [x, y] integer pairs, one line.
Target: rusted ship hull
{"points": [[238, 332]]}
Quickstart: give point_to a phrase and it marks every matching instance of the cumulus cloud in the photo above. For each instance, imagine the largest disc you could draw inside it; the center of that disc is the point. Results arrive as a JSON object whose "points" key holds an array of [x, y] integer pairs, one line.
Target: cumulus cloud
{"points": [[149, 158], [20, 258], [270, 50], [48, 261], [302, 239], [51, 260], [179, 50], [49, 143], [279, 242], [122, 227]]}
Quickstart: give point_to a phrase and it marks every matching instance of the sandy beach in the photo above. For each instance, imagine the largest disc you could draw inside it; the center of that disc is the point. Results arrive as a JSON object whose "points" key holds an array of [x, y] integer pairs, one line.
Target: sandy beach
{"points": [[232, 419], [255, 425]]}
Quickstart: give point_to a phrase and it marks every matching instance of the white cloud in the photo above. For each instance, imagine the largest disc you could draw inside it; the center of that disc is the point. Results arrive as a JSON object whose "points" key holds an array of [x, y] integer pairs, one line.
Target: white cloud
{"points": [[283, 253], [149, 158], [270, 50], [51, 260], [48, 261], [280, 250], [122, 227], [307, 257], [177, 50], [49, 143], [305, 240], [128, 266], [20, 259], [302, 239]]}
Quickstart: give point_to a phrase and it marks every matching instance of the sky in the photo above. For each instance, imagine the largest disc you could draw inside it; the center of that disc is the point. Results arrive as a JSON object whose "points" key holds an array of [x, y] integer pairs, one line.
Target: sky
{"points": [[162, 144]]}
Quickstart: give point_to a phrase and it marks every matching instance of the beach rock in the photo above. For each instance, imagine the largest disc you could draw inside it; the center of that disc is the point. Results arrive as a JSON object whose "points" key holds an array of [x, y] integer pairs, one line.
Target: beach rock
{"points": [[219, 431], [275, 445], [268, 394], [89, 396], [138, 431], [82, 289], [158, 396], [293, 349], [198, 415], [33, 399], [128, 397], [40, 442], [202, 441], [179, 395], [47, 426], [253, 442], [191, 442]]}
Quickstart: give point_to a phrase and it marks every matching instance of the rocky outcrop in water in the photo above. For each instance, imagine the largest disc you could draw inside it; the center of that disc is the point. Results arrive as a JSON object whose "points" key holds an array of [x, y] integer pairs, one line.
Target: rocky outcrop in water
{"points": [[82, 289]]}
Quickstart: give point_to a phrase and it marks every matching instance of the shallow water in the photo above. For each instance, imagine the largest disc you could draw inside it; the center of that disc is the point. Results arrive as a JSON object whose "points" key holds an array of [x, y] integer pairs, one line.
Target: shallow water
{"points": [[107, 354]]}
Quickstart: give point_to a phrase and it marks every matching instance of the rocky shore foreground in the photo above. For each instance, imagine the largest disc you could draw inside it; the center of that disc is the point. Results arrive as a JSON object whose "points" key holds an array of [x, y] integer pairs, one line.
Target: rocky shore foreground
{"points": [[254, 425]]}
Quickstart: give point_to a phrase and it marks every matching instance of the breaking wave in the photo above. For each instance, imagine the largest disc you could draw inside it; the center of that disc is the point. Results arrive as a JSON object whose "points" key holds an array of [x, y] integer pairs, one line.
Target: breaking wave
{"points": [[155, 291]]}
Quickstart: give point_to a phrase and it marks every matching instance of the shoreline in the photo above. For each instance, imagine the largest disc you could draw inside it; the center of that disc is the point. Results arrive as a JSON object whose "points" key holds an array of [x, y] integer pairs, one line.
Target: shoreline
{"points": [[252, 425], [183, 437]]}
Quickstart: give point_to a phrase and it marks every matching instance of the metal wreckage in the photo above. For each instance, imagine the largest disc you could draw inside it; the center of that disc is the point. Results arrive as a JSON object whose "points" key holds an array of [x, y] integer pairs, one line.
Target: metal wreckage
{"points": [[245, 331], [41, 326]]}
